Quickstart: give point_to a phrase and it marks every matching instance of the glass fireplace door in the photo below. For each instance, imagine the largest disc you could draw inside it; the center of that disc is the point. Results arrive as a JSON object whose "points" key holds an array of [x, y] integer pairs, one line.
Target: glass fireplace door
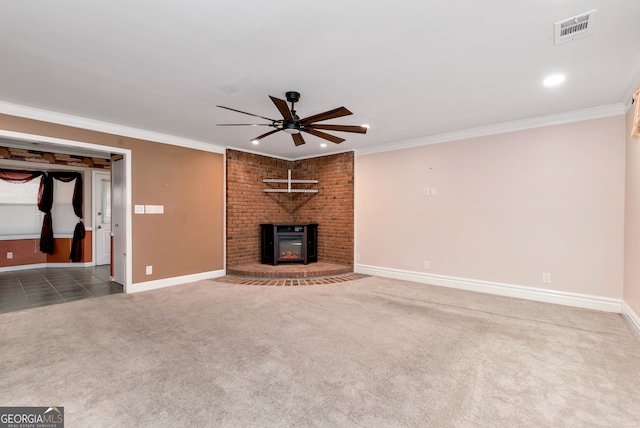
{"points": [[290, 247]]}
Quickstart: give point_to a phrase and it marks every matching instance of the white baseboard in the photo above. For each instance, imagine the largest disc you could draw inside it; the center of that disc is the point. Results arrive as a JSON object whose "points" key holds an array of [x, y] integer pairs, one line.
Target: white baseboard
{"points": [[22, 267], [632, 318], [509, 290], [85, 264], [168, 282], [44, 265]]}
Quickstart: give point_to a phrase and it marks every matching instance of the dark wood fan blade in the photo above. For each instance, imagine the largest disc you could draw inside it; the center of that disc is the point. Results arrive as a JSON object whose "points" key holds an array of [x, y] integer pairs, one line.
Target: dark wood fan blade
{"points": [[283, 108], [244, 124], [341, 128], [244, 112], [331, 114], [324, 135], [265, 135], [297, 139]]}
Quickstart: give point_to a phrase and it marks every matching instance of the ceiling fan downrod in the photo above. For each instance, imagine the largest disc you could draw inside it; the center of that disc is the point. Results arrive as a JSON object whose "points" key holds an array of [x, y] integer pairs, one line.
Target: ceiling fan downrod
{"points": [[293, 97]]}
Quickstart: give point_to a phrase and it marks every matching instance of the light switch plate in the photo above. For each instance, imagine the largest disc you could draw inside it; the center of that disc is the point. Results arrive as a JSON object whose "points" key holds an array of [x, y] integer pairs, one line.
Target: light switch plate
{"points": [[154, 209]]}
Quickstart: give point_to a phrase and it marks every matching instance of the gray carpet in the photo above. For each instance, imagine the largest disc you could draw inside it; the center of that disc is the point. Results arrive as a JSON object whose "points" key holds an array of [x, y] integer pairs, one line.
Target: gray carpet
{"points": [[366, 353]]}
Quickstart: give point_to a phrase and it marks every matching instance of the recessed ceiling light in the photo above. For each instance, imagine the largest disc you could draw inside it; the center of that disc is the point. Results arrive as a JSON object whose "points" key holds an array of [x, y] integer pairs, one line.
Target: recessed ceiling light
{"points": [[323, 145], [554, 80], [255, 142]]}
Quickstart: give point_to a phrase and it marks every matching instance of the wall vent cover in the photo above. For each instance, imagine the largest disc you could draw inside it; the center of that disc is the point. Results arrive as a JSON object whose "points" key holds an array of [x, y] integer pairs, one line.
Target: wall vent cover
{"points": [[575, 27]]}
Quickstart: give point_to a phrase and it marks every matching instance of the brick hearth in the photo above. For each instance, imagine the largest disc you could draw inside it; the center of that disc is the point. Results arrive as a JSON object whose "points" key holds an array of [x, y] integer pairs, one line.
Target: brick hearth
{"points": [[312, 270], [290, 281]]}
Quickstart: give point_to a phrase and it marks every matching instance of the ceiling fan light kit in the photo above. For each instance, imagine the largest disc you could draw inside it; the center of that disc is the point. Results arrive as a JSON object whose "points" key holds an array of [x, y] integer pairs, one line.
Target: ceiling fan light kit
{"points": [[290, 128], [292, 124]]}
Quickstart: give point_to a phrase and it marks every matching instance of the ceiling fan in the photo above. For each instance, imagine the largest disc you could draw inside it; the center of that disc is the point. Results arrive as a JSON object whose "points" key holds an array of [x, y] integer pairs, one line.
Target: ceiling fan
{"points": [[292, 124]]}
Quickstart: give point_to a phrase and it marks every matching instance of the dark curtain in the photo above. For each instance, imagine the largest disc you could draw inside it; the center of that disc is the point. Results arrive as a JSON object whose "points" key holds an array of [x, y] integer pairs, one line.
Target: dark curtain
{"points": [[79, 232], [16, 176], [76, 244], [45, 203]]}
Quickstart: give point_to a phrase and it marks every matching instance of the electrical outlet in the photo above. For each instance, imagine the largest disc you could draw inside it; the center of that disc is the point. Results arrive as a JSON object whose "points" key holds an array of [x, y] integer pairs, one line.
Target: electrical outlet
{"points": [[357, 257], [546, 277], [149, 270], [427, 265], [434, 191], [426, 191], [9, 254]]}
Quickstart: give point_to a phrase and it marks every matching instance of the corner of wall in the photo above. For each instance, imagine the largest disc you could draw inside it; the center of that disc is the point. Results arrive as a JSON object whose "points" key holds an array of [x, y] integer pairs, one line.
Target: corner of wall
{"points": [[632, 318]]}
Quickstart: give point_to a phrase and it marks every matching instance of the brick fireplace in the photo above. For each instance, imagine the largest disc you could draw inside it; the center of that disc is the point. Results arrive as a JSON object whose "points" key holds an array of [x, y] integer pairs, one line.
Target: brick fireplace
{"points": [[248, 206]]}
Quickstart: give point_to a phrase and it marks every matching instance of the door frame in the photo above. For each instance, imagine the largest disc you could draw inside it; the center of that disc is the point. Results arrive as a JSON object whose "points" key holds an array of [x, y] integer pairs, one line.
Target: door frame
{"points": [[126, 153]]}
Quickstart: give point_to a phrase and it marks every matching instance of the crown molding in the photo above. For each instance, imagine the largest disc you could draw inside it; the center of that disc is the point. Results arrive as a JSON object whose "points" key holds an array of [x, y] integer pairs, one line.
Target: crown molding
{"points": [[501, 128], [125, 131], [255, 152], [106, 127], [320, 155]]}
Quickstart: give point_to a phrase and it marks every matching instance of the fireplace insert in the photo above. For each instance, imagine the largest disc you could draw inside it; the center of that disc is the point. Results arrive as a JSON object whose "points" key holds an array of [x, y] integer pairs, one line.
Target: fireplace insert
{"points": [[289, 243]]}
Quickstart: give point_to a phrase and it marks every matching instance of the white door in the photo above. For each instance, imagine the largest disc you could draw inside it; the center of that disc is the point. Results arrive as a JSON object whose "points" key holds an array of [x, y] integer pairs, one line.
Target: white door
{"points": [[102, 220], [118, 216]]}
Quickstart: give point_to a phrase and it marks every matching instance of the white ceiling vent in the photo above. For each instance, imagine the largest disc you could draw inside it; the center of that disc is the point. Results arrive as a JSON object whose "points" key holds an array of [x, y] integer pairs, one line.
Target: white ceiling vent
{"points": [[574, 28]]}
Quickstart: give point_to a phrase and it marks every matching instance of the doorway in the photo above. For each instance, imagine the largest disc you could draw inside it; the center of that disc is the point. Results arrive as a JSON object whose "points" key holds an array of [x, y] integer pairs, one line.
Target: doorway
{"points": [[109, 247], [124, 192]]}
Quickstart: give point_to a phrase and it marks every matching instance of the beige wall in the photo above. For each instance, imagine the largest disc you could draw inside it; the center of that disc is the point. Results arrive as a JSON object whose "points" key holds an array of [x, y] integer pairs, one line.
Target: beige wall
{"points": [[632, 221], [507, 208], [188, 238]]}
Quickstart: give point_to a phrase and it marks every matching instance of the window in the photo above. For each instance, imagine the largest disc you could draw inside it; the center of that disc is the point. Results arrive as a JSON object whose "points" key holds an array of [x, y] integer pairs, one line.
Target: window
{"points": [[64, 219], [105, 202], [19, 214]]}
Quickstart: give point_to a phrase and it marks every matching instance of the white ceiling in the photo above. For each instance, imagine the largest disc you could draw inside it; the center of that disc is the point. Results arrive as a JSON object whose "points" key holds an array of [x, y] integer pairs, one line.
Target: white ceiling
{"points": [[410, 69]]}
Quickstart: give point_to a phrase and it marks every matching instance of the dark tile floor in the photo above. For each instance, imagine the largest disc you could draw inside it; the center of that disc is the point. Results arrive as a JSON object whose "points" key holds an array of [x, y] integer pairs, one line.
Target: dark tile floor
{"points": [[23, 289]]}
